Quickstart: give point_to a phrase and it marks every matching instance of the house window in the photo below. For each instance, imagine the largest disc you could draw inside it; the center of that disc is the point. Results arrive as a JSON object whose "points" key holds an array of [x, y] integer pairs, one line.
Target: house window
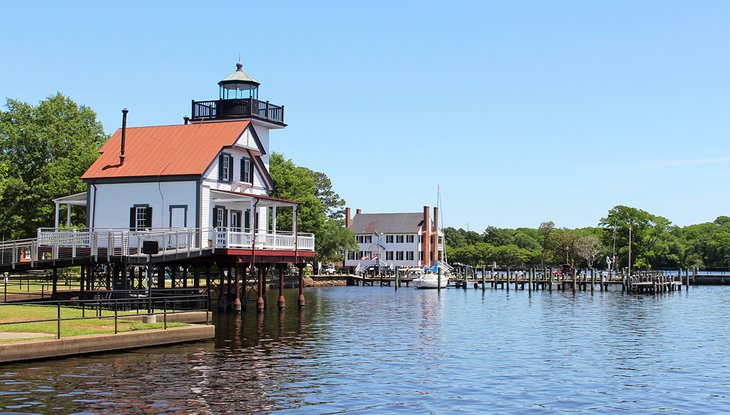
{"points": [[388, 239], [388, 255], [246, 171], [409, 255], [399, 256], [225, 171], [399, 239], [368, 239], [219, 218], [409, 239], [140, 217]]}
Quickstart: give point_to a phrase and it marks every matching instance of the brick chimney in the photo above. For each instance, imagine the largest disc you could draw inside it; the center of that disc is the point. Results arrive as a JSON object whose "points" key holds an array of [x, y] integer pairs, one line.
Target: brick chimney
{"points": [[426, 234], [435, 233], [347, 217]]}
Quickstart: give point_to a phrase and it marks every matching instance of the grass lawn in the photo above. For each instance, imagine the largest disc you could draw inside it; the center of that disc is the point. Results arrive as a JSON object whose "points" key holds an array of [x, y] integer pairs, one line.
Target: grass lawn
{"points": [[20, 315]]}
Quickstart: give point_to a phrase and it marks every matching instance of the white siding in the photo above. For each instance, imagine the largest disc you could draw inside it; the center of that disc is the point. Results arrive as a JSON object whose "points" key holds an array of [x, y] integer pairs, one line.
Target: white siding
{"points": [[113, 202], [210, 177]]}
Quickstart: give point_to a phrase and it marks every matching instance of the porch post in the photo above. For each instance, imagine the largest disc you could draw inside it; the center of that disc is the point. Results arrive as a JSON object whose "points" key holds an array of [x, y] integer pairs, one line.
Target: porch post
{"points": [[273, 221], [294, 219], [68, 217], [57, 213]]}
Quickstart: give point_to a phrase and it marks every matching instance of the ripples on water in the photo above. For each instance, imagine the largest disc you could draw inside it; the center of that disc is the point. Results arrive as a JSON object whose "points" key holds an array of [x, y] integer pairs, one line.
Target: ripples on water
{"points": [[376, 350]]}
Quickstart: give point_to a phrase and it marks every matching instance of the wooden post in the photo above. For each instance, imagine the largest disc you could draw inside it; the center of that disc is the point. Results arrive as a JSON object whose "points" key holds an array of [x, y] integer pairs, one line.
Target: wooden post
{"points": [[301, 286], [484, 277], [222, 304], [507, 276], [260, 300], [438, 282], [593, 279], [530, 279], [550, 279], [574, 280], [281, 288], [237, 287]]}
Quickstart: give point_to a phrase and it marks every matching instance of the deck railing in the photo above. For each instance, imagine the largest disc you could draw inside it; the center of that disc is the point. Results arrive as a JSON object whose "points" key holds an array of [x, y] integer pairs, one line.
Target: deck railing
{"points": [[237, 108], [279, 240], [54, 244]]}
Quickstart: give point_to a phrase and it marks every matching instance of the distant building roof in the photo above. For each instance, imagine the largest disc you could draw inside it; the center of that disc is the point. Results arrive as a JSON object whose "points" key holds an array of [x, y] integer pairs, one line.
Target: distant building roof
{"points": [[170, 150], [370, 223]]}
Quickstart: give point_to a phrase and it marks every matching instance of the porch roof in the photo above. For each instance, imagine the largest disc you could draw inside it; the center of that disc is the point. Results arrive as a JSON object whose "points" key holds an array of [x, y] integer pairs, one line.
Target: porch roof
{"points": [[223, 196], [78, 199]]}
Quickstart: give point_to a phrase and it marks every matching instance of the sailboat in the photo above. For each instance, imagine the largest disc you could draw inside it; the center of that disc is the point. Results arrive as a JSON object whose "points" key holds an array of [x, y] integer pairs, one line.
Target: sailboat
{"points": [[430, 277], [436, 276]]}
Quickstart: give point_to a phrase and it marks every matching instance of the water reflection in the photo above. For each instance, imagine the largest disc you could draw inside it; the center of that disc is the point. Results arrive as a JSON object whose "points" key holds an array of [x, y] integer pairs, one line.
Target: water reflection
{"points": [[379, 350]]}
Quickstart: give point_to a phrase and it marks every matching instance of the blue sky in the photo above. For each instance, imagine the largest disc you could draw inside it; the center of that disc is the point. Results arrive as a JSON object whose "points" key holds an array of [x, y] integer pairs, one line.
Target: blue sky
{"points": [[522, 111]]}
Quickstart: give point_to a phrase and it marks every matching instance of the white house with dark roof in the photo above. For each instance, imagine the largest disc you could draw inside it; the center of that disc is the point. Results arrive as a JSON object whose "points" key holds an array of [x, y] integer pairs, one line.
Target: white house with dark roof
{"points": [[395, 240]]}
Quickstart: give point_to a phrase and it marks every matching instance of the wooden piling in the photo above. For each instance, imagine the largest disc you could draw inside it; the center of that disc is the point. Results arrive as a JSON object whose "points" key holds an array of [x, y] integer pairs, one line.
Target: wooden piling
{"points": [[575, 275]]}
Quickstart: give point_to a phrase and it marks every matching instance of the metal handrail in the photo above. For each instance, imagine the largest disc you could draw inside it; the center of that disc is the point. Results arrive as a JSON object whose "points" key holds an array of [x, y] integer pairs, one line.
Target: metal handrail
{"points": [[167, 304]]}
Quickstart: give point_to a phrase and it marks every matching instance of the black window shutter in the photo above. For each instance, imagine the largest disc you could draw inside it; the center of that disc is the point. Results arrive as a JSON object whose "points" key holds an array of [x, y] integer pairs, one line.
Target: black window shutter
{"points": [[148, 217], [225, 217], [250, 171], [231, 168], [220, 167], [132, 218], [243, 169]]}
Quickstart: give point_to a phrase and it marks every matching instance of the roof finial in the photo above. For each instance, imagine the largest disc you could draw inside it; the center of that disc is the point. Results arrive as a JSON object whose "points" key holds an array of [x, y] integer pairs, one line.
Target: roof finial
{"points": [[239, 66]]}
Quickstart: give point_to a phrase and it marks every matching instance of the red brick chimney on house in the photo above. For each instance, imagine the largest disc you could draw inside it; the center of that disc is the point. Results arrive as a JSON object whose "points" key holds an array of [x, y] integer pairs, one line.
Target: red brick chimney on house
{"points": [[435, 233], [347, 217], [426, 237]]}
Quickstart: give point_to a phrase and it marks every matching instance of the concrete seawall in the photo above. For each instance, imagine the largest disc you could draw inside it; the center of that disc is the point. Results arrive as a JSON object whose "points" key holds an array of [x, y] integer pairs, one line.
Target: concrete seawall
{"points": [[77, 345]]}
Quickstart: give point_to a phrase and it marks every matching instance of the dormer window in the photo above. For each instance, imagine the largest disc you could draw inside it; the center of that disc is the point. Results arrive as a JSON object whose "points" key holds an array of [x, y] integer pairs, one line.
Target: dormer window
{"points": [[225, 168], [246, 170]]}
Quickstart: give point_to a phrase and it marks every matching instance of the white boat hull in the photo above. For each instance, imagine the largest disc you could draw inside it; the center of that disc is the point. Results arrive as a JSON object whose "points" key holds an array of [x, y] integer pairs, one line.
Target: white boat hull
{"points": [[430, 281]]}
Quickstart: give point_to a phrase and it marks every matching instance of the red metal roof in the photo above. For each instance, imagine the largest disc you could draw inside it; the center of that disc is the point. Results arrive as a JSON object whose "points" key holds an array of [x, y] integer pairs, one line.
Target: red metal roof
{"points": [[169, 150]]}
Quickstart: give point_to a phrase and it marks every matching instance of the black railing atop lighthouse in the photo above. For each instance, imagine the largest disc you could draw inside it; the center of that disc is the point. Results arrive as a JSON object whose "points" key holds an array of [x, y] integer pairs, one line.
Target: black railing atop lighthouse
{"points": [[237, 108]]}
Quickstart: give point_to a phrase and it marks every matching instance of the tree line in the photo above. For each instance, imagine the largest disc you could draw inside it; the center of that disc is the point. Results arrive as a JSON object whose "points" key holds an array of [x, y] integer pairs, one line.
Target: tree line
{"points": [[655, 244]]}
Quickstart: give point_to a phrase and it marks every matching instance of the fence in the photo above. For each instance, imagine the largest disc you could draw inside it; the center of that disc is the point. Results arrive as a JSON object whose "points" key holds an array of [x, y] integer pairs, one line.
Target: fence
{"points": [[113, 305]]}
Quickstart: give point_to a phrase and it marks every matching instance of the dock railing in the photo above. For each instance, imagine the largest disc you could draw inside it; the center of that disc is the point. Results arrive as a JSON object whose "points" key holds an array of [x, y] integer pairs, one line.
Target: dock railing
{"points": [[117, 305]]}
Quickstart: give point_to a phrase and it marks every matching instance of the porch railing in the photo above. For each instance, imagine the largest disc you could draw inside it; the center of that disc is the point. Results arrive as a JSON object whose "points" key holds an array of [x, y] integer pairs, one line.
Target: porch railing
{"points": [[54, 244]]}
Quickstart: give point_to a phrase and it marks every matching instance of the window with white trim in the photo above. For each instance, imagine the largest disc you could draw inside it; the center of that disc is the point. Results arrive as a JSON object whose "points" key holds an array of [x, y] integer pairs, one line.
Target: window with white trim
{"points": [[226, 168], [246, 171]]}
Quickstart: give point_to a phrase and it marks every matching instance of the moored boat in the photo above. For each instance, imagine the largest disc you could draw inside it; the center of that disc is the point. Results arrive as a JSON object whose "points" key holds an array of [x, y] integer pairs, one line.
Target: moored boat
{"points": [[430, 278]]}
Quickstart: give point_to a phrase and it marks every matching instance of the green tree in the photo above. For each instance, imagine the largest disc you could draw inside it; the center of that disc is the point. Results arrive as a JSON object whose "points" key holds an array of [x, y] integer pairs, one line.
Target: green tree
{"points": [[319, 212], [45, 149], [646, 230]]}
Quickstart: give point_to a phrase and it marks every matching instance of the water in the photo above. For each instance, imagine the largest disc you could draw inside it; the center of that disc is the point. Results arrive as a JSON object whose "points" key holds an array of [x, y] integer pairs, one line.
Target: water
{"points": [[368, 350]]}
